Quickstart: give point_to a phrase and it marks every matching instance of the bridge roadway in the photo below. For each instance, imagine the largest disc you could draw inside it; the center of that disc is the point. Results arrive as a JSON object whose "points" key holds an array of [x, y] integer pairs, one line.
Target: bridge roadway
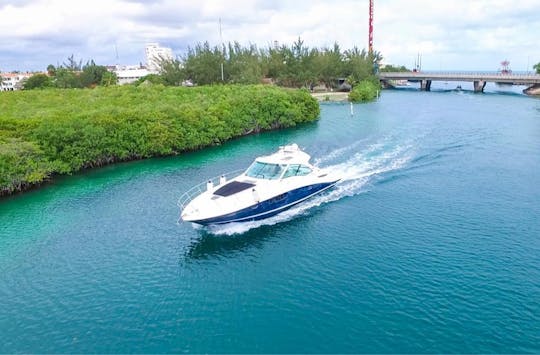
{"points": [[479, 79]]}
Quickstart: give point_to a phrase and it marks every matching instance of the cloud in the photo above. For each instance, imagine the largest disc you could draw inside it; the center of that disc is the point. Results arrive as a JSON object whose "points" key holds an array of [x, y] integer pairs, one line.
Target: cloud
{"points": [[458, 34]]}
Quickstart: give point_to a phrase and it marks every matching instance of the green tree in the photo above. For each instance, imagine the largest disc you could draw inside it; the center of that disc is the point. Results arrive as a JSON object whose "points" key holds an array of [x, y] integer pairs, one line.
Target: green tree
{"points": [[299, 65], [72, 64], [243, 64], [537, 68], [392, 68], [330, 65], [273, 62], [365, 90], [37, 81], [67, 79], [108, 78], [51, 70], [151, 79], [360, 65], [171, 72], [296, 65], [202, 64], [92, 74]]}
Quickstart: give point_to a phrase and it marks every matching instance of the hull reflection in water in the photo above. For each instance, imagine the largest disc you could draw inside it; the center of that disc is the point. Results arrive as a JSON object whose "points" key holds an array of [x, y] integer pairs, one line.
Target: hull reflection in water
{"points": [[272, 184]]}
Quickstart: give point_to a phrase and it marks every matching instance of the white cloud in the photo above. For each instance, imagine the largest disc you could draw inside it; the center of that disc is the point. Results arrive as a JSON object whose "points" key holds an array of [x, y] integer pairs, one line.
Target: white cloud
{"points": [[459, 34]]}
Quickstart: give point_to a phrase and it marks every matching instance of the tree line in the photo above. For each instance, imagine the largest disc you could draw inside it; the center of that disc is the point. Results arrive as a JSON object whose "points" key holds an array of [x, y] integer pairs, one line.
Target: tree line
{"points": [[72, 75], [51, 131], [296, 65]]}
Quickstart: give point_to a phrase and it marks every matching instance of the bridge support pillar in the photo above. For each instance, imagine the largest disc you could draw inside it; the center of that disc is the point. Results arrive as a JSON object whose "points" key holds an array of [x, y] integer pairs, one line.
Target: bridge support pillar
{"points": [[386, 84], [479, 86], [425, 85]]}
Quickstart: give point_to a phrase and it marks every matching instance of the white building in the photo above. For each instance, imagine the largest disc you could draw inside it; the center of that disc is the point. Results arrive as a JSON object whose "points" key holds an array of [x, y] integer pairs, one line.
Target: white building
{"points": [[128, 74], [12, 81], [155, 54]]}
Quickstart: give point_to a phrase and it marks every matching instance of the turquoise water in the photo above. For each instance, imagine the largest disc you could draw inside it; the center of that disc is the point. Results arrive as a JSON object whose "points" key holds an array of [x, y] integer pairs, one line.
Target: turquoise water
{"points": [[430, 244]]}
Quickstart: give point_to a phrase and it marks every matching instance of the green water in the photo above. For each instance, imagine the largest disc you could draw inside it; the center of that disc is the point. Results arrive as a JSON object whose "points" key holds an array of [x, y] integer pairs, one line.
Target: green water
{"points": [[430, 244]]}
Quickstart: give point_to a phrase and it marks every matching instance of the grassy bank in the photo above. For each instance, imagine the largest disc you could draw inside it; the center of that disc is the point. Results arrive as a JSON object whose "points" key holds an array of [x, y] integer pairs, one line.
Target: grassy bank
{"points": [[48, 132]]}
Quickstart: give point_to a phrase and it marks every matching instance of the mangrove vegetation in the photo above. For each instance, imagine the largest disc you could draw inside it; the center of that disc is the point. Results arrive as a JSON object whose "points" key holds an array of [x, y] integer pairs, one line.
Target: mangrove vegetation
{"points": [[80, 118], [364, 91], [51, 131]]}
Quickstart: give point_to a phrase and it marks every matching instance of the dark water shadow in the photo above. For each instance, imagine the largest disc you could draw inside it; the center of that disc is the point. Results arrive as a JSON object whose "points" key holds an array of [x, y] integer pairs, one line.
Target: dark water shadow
{"points": [[207, 245], [402, 88], [505, 93], [463, 90], [438, 153]]}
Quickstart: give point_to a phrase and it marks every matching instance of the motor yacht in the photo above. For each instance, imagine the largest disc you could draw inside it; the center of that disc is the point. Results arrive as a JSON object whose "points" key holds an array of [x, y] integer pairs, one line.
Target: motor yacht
{"points": [[272, 184]]}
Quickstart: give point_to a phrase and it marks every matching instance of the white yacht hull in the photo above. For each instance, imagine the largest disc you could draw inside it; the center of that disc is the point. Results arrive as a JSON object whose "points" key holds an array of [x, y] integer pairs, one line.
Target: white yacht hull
{"points": [[269, 186], [256, 210]]}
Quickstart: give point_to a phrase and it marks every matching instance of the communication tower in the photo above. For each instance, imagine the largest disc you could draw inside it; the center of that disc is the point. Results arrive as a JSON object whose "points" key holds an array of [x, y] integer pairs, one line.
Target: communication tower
{"points": [[370, 43], [505, 67]]}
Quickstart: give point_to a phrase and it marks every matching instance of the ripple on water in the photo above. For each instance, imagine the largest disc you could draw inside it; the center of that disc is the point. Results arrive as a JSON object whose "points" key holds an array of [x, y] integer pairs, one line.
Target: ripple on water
{"points": [[428, 245]]}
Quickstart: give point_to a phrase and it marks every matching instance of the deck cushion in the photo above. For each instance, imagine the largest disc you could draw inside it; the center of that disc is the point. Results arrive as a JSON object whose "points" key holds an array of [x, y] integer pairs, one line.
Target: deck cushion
{"points": [[233, 187]]}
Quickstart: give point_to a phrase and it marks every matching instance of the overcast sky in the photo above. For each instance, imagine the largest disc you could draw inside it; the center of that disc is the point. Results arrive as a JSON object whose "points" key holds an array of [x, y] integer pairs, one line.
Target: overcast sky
{"points": [[450, 35]]}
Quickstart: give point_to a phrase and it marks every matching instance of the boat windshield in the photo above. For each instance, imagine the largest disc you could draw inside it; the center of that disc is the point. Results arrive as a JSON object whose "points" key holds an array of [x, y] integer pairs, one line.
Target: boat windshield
{"points": [[265, 170], [297, 170]]}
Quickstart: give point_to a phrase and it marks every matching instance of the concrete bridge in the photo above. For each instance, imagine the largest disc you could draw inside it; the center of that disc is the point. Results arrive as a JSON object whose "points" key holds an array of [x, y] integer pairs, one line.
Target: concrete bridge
{"points": [[479, 80]]}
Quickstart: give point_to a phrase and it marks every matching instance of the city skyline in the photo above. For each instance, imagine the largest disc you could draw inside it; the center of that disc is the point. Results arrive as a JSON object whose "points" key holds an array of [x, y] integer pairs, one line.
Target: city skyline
{"points": [[457, 35]]}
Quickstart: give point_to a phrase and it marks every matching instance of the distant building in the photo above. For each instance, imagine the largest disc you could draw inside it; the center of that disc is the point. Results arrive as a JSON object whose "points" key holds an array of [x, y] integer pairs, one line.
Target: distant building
{"points": [[128, 74], [12, 81], [154, 55]]}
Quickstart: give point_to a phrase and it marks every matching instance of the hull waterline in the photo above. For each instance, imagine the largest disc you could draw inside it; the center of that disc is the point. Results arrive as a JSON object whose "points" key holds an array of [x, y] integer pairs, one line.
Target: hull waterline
{"points": [[268, 208]]}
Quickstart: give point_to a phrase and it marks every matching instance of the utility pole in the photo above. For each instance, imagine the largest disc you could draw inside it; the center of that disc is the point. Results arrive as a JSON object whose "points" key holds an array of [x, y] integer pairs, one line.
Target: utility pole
{"points": [[222, 49], [116, 51]]}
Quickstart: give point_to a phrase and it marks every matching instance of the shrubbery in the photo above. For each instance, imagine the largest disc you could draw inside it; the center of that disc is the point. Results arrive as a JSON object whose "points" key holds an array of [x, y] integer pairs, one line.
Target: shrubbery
{"points": [[364, 91], [537, 67], [54, 131], [72, 75]]}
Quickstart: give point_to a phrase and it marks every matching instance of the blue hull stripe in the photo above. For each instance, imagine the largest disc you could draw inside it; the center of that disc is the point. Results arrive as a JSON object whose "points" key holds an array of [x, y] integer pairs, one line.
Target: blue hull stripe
{"points": [[269, 207]]}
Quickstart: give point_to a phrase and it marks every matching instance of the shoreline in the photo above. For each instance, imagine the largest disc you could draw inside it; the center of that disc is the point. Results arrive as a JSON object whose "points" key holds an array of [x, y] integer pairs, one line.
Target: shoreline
{"points": [[533, 91], [82, 129], [331, 96]]}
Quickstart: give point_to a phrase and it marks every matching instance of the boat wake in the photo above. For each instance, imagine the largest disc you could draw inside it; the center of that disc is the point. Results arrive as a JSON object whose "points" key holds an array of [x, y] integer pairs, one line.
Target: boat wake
{"points": [[359, 170]]}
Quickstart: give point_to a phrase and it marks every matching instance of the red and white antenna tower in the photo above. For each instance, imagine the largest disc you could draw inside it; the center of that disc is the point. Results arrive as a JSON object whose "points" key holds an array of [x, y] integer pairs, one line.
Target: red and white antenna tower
{"points": [[370, 43]]}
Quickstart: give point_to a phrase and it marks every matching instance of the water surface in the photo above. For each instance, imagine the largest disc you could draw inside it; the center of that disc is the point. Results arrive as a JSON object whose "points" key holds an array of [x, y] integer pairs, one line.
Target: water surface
{"points": [[430, 244]]}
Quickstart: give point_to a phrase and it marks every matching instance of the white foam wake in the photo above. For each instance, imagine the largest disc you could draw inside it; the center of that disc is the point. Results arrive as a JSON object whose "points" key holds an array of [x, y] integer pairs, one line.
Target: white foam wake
{"points": [[358, 170]]}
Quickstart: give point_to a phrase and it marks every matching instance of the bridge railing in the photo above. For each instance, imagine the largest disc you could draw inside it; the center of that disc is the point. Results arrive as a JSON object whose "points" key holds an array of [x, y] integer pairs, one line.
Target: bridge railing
{"points": [[459, 74], [517, 79]]}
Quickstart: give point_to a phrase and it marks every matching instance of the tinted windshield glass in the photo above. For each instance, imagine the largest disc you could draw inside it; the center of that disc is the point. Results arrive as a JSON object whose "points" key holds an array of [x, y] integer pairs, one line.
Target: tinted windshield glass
{"points": [[265, 171], [297, 170]]}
